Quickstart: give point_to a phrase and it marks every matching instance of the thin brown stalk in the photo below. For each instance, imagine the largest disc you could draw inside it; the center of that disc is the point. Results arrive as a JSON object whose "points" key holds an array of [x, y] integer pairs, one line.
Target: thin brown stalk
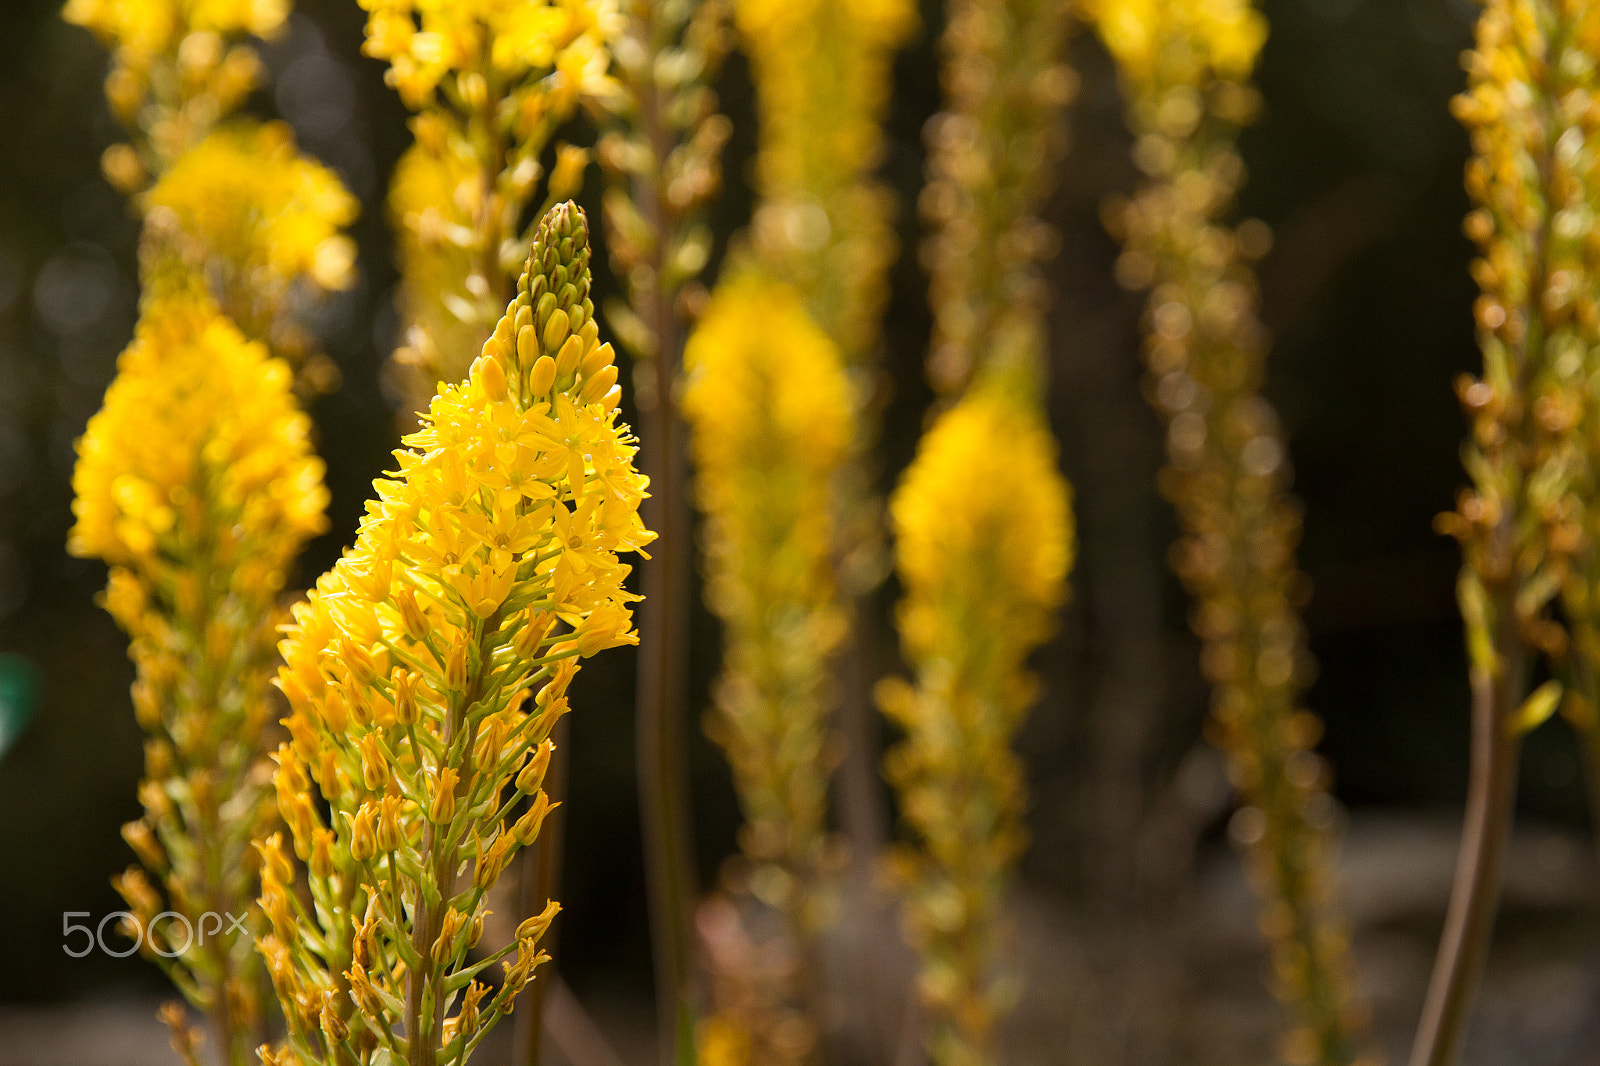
{"points": [[663, 624], [1475, 896]]}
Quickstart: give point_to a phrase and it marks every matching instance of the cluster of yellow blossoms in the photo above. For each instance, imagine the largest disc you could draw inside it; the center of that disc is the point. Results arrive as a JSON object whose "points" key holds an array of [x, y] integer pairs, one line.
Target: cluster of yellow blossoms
{"points": [[1185, 69], [990, 166], [256, 218], [196, 482], [178, 68], [983, 543], [769, 410], [491, 81], [425, 674], [1187, 38], [821, 69]]}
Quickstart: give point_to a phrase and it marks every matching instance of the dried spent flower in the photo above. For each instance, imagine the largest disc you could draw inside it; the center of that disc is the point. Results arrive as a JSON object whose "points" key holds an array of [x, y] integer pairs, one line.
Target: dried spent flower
{"points": [[426, 672]]}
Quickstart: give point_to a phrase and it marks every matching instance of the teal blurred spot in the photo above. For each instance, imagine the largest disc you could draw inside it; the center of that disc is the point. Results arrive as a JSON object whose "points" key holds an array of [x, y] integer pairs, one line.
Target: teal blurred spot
{"points": [[19, 697]]}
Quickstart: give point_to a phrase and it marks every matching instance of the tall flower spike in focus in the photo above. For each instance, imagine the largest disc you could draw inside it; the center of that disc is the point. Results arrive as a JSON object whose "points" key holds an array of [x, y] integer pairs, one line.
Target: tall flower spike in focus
{"points": [[769, 409], [660, 156], [491, 83], [991, 155], [197, 484], [178, 68], [1526, 524], [426, 672], [1185, 67], [983, 543]]}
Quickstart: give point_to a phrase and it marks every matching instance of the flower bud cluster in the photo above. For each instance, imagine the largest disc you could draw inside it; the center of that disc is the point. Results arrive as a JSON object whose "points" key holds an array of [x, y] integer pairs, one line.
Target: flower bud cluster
{"points": [[1185, 70], [425, 674]]}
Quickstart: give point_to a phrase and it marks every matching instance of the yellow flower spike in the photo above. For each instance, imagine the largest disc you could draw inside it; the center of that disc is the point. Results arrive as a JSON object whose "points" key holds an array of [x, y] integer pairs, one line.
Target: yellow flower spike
{"points": [[821, 69], [454, 612], [1527, 522], [1185, 67], [491, 83], [199, 433], [179, 66], [769, 411], [991, 156], [983, 543], [261, 217]]}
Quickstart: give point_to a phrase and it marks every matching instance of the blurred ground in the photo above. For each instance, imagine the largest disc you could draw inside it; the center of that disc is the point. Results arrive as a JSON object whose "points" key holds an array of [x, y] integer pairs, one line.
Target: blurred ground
{"points": [[1106, 995]]}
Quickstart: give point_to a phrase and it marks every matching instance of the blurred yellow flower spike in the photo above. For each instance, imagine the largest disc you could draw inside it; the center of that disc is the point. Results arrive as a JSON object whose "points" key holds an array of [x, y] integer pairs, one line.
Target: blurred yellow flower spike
{"points": [[178, 67], [427, 669], [983, 543], [770, 411], [1185, 68], [258, 217], [197, 483], [992, 159], [822, 70], [1177, 40], [491, 81]]}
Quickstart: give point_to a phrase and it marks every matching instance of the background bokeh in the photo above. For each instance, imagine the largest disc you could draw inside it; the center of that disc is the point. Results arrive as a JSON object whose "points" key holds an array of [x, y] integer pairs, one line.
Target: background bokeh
{"points": [[1356, 165]]}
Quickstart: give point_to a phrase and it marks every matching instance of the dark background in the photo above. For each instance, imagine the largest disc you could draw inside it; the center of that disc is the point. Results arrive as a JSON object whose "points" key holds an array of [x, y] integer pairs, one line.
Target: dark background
{"points": [[1356, 165]]}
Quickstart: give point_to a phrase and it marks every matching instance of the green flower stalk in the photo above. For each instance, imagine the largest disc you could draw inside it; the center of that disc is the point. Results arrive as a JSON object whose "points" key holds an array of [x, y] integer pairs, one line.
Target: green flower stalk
{"points": [[491, 83], [991, 157], [1526, 523], [1185, 69], [661, 162], [196, 483], [770, 409], [983, 543], [425, 675]]}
